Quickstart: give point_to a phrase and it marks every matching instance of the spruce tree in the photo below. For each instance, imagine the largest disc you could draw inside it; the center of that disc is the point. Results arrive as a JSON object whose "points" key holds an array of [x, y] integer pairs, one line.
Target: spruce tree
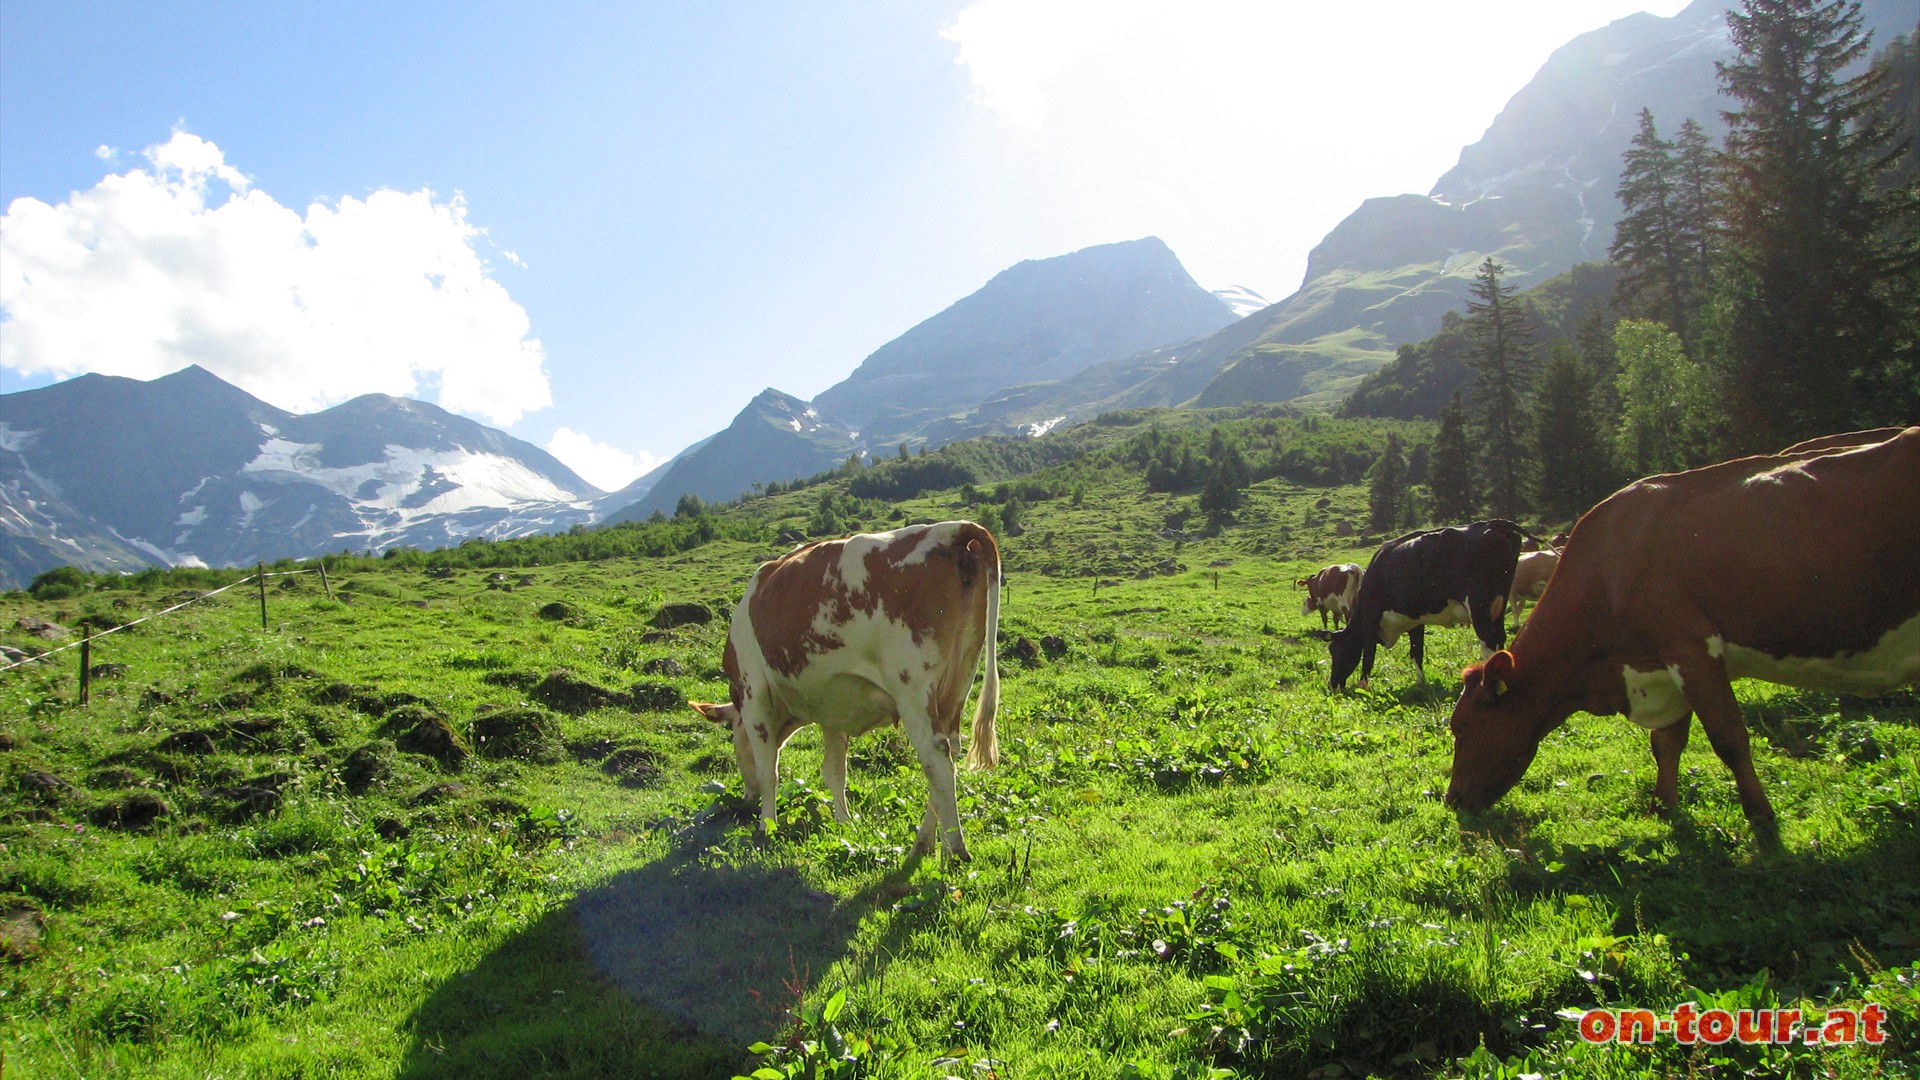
{"points": [[1450, 468], [1574, 460], [1696, 187], [1387, 487], [1227, 474], [1819, 251], [1650, 244], [1503, 365]]}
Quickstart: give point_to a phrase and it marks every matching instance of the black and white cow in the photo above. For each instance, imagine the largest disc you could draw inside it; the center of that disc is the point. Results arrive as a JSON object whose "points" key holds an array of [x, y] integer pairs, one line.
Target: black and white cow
{"points": [[1437, 577]]}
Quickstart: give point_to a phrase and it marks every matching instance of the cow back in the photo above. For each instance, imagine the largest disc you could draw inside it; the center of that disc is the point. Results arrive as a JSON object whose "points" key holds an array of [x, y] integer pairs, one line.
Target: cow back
{"points": [[1796, 555]]}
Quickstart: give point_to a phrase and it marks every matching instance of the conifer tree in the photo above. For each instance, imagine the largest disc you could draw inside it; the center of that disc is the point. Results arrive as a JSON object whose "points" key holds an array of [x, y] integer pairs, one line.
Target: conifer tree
{"points": [[1450, 468], [1503, 367], [1819, 251], [1574, 460], [1227, 474], [1387, 487], [1696, 186], [1650, 244]]}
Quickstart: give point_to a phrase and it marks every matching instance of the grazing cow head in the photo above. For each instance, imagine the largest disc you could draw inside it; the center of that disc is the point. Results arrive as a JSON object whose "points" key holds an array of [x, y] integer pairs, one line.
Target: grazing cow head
{"points": [[727, 715], [1493, 739], [1343, 651]]}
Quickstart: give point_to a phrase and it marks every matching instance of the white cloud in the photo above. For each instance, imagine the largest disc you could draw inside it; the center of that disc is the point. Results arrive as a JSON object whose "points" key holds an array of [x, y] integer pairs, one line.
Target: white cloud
{"points": [[603, 466], [151, 270], [1015, 48]]}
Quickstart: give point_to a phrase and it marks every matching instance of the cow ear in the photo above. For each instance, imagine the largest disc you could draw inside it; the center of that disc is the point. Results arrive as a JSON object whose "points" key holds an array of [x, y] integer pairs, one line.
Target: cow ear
{"points": [[1498, 669], [716, 711]]}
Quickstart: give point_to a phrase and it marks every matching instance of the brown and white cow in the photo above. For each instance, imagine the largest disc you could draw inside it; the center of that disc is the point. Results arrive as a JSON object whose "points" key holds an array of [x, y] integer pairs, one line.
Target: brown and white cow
{"points": [[1330, 591], [1801, 569], [1530, 576], [879, 628]]}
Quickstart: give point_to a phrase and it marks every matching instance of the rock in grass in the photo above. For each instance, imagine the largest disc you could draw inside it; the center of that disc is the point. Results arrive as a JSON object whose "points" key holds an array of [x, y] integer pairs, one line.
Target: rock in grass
{"points": [[560, 611], [634, 766], [242, 802], [563, 691], [186, 742], [512, 680], [44, 787], [517, 731], [663, 665], [672, 615], [22, 926], [114, 778], [133, 812], [41, 628], [369, 765], [436, 793], [418, 729], [648, 696]]}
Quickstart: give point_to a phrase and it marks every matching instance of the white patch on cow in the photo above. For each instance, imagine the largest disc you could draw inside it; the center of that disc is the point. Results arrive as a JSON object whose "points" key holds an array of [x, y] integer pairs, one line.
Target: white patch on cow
{"points": [[1655, 699], [1894, 661], [1393, 624], [1716, 646], [853, 559], [855, 549], [942, 533]]}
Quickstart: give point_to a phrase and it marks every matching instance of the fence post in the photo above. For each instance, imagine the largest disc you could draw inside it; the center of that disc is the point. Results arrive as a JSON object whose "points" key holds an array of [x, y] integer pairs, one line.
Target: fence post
{"points": [[86, 666], [323, 577], [261, 577]]}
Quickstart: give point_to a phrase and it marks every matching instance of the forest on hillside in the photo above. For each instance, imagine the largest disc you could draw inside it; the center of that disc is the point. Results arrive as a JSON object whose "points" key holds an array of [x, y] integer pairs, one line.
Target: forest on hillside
{"points": [[1760, 292]]}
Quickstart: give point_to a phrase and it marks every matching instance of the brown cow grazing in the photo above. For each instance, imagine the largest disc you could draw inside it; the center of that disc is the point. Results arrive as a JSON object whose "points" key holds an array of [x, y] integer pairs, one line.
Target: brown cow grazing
{"points": [[1530, 576], [1330, 591], [880, 628], [1801, 569]]}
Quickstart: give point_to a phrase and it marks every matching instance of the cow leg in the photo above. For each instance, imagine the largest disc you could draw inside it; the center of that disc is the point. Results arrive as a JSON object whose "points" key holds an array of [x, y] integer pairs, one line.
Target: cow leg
{"points": [[1711, 696], [1668, 742], [943, 807], [1417, 648], [833, 768]]}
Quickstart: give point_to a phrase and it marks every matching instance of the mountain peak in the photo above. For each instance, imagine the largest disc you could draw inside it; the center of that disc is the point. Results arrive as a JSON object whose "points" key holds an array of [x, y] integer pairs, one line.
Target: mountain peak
{"points": [[1039, 320]]}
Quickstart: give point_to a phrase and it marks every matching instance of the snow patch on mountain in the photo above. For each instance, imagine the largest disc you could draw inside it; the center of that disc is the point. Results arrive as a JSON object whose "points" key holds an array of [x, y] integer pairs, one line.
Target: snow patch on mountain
{"points": [[478, 479], [1241, 300]]}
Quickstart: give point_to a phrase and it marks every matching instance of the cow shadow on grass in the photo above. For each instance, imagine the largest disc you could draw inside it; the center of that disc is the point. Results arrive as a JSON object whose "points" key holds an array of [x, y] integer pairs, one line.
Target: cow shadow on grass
{"points": [[669, 969], [1734, 907]]}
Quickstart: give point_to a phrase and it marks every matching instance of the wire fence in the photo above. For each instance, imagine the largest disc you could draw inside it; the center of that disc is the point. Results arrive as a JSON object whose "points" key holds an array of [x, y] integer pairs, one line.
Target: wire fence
{"points": [[85, 644]]}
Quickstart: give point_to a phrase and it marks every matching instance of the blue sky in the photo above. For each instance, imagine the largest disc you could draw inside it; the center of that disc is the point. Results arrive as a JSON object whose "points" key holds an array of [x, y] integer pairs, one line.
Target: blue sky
{"points": [[606, 227]]}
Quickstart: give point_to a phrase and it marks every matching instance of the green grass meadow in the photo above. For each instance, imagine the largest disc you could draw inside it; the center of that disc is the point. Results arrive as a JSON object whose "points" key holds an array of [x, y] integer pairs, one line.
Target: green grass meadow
{"points": [[465, 826]]}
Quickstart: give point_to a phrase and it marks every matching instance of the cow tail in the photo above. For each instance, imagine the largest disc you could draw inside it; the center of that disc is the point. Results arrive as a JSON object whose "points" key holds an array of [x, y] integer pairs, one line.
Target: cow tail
{"points": [[985, 750]]}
